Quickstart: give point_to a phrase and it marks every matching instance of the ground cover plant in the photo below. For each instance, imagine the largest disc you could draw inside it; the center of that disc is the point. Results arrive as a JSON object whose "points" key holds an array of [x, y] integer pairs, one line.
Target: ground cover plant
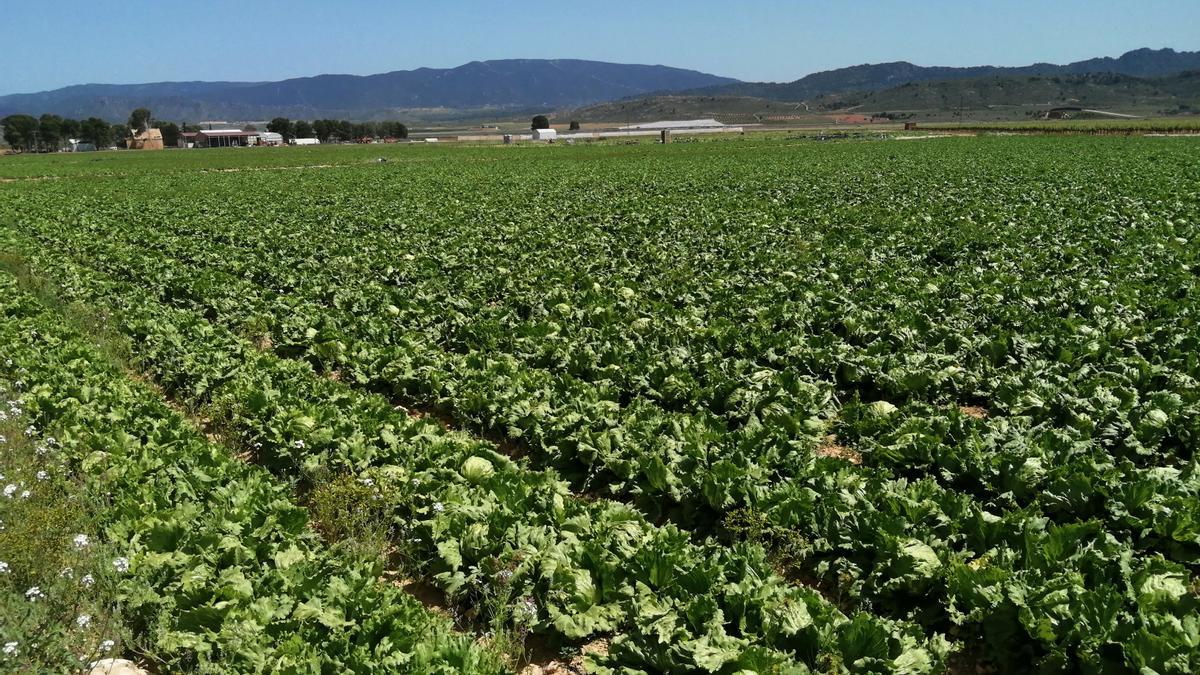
{"points": [[726, 406]]}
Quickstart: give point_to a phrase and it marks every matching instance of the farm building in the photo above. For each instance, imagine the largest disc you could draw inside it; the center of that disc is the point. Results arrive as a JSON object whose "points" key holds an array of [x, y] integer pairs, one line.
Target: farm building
{"points": [[306, 141], [187, 139], [77, 145], [225, 138], [150, 139], [270, 138], [545, 134]]}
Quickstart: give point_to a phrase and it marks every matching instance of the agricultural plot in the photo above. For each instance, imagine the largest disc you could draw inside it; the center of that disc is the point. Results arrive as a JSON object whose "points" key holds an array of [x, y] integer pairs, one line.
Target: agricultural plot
{"points": [[765, 406]]}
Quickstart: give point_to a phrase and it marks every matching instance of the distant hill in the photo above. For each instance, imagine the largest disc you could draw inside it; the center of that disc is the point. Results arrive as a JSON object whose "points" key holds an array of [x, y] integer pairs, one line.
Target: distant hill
{"points": [[1102, 91], [515, 84], [981, 98], [873, 77]]}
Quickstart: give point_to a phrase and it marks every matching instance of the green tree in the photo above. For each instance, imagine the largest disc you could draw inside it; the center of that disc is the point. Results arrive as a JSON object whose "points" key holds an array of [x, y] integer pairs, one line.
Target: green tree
{"points": [[70, 128], [120, 135], [302, 129], [324, 129], [139, 120], [95, 131], [50, 132], [20, 131], [540, 122], [574, 125], [281, 126], [393, 129], [170, 133]]}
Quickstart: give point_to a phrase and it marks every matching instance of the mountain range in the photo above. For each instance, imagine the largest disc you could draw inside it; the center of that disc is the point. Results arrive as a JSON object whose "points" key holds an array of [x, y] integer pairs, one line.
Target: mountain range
{"points": [[513, 86], [877, 76]]}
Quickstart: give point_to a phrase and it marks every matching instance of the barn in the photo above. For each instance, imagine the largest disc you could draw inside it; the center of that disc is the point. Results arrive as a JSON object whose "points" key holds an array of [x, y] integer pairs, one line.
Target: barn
{"points": [[545, 134], [225, 138], [150, 139]]}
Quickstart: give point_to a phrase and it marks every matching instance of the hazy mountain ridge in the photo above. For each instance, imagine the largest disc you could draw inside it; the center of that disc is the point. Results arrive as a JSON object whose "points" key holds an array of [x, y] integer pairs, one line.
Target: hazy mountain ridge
{"points": [[1108, 91], [504, 84], [507, 87], [872, 77]]}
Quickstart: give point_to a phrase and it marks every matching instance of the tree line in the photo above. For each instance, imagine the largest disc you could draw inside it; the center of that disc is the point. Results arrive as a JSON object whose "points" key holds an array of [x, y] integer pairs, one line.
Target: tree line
{"points": [[336, 130], [49, 133]]}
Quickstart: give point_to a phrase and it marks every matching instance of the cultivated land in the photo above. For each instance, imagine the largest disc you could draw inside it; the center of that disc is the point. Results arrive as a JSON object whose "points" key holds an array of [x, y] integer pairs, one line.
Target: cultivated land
{"points": [[738, 405]]}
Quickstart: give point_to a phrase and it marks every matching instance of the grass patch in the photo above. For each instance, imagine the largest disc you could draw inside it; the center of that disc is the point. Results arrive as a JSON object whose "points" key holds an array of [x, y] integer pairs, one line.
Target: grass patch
{"points": [[58, 583]]}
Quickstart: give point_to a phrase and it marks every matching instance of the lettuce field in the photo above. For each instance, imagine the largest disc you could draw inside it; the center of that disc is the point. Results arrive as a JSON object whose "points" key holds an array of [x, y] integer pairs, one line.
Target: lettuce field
{"points": [[733, 406]]}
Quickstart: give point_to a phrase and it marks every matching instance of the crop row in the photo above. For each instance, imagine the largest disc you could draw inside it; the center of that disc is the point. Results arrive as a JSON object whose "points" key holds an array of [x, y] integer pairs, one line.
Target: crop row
{"points": [[224, 574], [873, 527], [586, 568]]}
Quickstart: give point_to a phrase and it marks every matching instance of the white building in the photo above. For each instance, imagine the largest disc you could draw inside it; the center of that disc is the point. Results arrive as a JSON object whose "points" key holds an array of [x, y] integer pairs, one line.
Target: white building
{"points": [[306, 141], [77, 145], [677, 124], [545, 134], [270, 138]]}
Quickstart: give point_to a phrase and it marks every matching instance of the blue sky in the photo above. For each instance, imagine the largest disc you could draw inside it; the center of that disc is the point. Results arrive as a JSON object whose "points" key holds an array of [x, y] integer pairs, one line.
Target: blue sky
{"points": [[121, 41]]}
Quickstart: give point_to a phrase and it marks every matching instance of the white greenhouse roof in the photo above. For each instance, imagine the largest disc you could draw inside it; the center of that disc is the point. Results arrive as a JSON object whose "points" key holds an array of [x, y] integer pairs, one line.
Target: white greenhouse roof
{"points": [[677, 124]]}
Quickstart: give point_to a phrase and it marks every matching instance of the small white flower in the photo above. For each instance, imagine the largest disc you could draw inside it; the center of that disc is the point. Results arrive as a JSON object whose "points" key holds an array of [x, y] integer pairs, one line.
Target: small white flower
{"points": [[10, 648], [10, 490], [3, 416], [367, 481], [83, 620], [34, 593], [529, 607], [25, 494], [81, 541], [42, 475], [67, 573], [438, 507], [51, 441], [3, 567], [41, 451], [30, 430], [87, 580], [298, 444], [121, 564], [107, 645]]}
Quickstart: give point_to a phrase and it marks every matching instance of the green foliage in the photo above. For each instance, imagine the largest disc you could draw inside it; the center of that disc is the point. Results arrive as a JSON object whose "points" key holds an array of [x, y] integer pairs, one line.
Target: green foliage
{"points": [[139, 120], [540, 122], [57, 582], [950, 383], [281, 125], [20, 131], [218, 570], [96, 131], [170, 133]]}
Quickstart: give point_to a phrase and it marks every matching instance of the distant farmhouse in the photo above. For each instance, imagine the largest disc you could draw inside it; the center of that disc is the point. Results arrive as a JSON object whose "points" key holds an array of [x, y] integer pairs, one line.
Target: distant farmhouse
{"points": [[150, 139]]}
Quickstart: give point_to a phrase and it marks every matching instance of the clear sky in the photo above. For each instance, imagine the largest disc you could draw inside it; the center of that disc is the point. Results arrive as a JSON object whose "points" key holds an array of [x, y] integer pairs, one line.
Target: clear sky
{"points": [[123, 41]]}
